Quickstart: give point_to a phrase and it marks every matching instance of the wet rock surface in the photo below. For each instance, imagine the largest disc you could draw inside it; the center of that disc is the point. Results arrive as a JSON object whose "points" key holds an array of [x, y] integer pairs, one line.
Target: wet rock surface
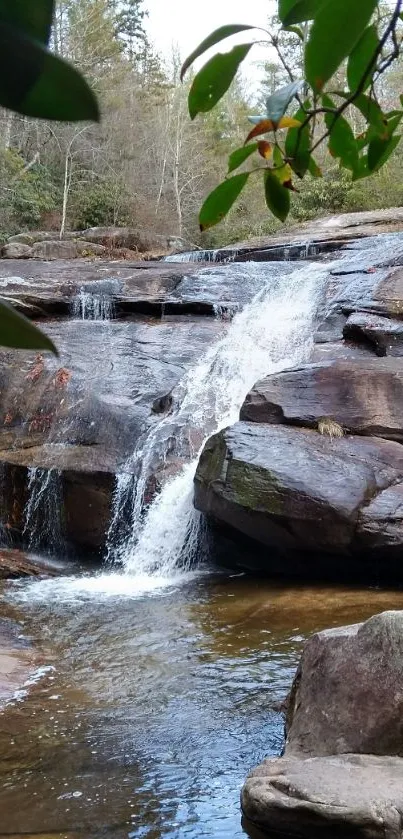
{"points": [[83, 415], [384, 334]]}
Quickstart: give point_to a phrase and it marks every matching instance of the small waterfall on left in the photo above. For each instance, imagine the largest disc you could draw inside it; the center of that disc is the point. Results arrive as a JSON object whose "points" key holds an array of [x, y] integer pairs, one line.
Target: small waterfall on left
{"points": [[91, 305], [44, 515], [43, 525]]}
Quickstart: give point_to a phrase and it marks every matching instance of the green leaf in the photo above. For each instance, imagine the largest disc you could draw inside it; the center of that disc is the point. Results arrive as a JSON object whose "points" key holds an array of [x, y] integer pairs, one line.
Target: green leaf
{"points": [[379, 151], [314, 170], [342, 143], [298, 145], [215, 38], [214, 79], [336, 30], [296, 30], [220, 201], [34, 17], [277, 103], [298, 11], [36, 83], [371, 112], [393, 122], [362, 170], [277, 196], [240, 155], [360, 58], [18, 332]]}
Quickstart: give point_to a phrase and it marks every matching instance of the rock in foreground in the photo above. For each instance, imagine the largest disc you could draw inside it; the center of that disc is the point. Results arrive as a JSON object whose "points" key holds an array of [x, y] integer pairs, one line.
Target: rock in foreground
{"points": [[303, 499], [342, 771], [347, 695], [343, 797]]}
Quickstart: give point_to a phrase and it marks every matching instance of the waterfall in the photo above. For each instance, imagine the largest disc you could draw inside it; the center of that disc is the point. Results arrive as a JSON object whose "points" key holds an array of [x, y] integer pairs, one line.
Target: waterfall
{"points": [[88, 305], [193, 256], [43, 525], [273, 332]]}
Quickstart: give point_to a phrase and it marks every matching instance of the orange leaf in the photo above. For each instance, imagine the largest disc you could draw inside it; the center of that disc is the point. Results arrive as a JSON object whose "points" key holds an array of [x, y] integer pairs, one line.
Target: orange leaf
{"points": [[265, 149], [261, 128], [266, 125]]}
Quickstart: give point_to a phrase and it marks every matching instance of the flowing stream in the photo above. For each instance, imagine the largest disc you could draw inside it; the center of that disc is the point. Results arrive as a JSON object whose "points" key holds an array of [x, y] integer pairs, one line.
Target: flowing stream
{"points": [[159, 681]]}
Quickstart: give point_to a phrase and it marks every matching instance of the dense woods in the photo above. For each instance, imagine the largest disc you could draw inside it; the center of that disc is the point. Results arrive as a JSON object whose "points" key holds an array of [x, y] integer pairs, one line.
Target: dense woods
{"points": [[147, 164]]}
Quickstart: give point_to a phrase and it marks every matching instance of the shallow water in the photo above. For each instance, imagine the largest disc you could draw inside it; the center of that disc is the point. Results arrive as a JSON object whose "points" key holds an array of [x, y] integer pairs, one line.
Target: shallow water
{"points": [[159, 702]]}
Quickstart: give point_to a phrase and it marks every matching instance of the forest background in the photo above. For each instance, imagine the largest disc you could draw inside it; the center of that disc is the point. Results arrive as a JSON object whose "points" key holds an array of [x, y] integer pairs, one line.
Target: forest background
{"points": [[146, 164]]}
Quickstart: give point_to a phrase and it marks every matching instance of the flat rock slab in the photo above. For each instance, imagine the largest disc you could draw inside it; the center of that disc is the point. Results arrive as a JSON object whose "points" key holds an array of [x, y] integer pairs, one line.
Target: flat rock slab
{"points": [[364, 395], [339, 797], [347, 694], [15, 564]]}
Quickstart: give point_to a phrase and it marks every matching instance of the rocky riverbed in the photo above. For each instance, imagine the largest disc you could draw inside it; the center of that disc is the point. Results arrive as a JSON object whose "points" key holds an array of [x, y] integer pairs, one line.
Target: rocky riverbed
{"points": [[313, 472], [282, 491]]}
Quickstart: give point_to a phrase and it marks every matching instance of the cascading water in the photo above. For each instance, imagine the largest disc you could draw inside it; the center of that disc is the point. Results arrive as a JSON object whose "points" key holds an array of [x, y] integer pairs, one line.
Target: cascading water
{"points": [[272, 333], [43, 527], [88, 305], [192, 256]]}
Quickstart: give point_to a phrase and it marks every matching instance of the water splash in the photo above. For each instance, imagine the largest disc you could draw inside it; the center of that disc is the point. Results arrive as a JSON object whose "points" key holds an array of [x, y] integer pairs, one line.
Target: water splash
{"points": [[272, 333]]}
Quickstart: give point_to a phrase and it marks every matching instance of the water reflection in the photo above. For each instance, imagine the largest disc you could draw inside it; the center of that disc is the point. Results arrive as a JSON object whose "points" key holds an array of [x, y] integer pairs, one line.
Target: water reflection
{"points": [[158, 706]]}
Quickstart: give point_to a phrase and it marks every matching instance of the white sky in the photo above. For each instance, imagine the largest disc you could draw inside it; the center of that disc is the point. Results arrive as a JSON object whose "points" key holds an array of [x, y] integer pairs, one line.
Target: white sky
{"points": [[187, 22]]}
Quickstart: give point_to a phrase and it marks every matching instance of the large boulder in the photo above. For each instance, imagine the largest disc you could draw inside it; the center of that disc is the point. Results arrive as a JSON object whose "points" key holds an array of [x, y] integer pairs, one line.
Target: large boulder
{"points": [[338, 797], [124, 237], [365, 396], [54, 249], [62, 249], [347, 694], [300, 495], [22, 239], [380, 523], [341, 774], [16, 250]]}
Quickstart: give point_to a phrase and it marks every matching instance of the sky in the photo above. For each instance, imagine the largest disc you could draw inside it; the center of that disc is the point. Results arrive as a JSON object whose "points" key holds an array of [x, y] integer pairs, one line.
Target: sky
{"points": [[187, 22]]}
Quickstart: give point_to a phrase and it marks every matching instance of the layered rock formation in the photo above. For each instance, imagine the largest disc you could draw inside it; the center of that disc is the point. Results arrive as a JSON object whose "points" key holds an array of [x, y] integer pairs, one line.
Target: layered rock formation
{"points": [[96, 241], [126, 333], [302, 503], [313, 472], [342, 770]]}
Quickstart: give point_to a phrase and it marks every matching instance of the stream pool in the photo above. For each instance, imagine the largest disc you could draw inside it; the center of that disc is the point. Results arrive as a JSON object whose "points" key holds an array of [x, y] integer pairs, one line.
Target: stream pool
{"points": [[157, 704]]}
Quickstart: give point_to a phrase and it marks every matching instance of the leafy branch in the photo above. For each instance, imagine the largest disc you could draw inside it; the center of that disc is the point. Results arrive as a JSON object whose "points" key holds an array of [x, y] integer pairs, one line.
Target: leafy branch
{"points": [[337, 37]]}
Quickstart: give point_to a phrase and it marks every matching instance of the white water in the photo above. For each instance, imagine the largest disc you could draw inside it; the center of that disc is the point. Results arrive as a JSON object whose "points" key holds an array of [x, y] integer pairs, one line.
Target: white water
{"points": [[272, 333], [43, 527], [192, 256], [90, 306]]}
